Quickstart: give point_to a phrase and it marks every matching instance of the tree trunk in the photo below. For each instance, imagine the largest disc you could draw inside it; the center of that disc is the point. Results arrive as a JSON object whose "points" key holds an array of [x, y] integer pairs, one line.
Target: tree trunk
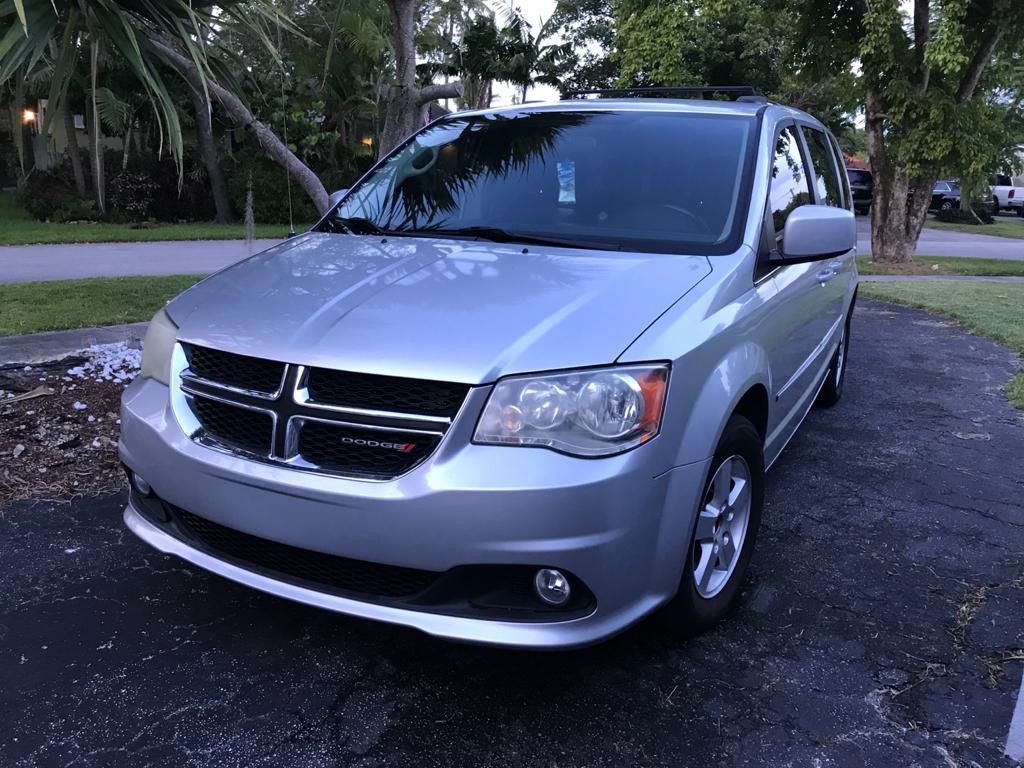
{"points": [[73, 151], [897, 217], [405, 104], [403, 116], [96, 133], [208, 152], [265, 137], [126, 154]]}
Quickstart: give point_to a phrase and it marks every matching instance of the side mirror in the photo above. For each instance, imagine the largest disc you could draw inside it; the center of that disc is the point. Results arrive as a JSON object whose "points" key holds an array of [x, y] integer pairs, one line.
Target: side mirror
{"points": [[815, 232], [336, 197]]}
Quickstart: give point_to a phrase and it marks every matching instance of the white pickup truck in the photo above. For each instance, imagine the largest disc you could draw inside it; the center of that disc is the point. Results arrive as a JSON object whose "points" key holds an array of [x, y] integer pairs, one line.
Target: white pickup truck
{"points": [[1007, 196]]}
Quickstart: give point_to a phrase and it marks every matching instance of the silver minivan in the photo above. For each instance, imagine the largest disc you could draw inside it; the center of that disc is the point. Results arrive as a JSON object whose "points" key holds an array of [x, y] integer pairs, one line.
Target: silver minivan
{"points": [[522, 384]]}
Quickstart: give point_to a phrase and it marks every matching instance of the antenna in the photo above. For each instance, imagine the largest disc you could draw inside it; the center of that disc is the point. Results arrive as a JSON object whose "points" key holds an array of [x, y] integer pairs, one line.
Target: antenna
{"points": [[284, 107]]}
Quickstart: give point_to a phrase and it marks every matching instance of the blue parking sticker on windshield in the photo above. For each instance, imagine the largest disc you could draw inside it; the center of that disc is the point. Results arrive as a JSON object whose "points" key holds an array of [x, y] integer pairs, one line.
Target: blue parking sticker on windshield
{"points": [[567, 181]]}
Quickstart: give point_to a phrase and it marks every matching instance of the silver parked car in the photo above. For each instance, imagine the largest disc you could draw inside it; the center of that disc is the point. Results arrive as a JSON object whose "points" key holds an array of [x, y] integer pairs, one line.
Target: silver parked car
{"points": [[521, 386]]}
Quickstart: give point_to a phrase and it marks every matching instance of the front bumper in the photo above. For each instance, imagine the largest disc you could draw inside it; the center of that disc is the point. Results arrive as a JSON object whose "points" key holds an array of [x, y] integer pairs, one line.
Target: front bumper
{"points": [[618, 524]]}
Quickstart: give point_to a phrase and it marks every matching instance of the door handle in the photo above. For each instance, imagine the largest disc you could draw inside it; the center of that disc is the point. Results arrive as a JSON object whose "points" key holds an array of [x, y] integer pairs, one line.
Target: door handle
{"points": [[829, 272], [826, 274]]}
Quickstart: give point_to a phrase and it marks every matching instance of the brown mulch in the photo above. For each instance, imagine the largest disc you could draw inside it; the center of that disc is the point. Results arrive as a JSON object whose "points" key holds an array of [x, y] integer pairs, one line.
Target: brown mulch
{"points": [[51, 449]]}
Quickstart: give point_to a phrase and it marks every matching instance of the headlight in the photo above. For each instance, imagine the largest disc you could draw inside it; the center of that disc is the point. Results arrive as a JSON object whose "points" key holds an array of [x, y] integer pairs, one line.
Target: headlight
{"points": [[157, 348], [586, 413]]}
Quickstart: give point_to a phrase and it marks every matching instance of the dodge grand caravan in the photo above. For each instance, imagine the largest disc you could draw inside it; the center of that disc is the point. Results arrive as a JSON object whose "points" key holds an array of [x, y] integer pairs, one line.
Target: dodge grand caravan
{"points": [[521, 385]]}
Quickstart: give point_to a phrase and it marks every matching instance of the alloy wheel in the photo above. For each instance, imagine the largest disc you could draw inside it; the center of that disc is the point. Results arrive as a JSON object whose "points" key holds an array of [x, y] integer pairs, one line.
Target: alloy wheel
{"points": [[721, 527]]}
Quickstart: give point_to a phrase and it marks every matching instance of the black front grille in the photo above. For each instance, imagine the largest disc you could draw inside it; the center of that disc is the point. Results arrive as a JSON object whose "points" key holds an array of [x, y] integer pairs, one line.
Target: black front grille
{"points": [[385, 393], [241, 428], [341, 575], [363, 452], [240, 371], [323, 420]]}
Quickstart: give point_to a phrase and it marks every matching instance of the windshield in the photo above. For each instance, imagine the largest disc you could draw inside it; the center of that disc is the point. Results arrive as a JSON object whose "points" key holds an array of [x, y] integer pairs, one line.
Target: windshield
{"points": [[645, 181]]}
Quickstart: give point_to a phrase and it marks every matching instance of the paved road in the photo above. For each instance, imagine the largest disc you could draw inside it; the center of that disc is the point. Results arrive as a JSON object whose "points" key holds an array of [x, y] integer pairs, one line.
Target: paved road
{"points": [[938, 242], [21, 263], [882, 626]]}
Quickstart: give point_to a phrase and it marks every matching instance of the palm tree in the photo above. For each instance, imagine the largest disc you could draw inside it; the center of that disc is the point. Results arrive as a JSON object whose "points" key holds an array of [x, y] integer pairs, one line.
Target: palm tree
{"points": [[527, 56], [183, 34]]}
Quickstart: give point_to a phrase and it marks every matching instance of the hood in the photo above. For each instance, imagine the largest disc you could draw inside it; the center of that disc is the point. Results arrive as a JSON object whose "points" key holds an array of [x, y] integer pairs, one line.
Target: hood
{"points": [[446, 310]]}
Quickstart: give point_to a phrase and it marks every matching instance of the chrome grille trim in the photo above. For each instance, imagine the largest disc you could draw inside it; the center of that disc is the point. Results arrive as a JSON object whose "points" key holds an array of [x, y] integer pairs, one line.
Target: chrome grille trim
{"points": [[291, 407], [188, 377]]}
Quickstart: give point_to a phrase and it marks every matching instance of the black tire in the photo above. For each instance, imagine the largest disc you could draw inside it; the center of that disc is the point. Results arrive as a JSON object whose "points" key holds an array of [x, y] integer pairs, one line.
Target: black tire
{"points": [[947, 205], [832, 389], [689, 613]]}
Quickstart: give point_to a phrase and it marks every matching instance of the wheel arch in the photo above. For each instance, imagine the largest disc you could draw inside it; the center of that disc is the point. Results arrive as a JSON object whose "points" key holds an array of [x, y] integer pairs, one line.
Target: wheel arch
{"points": [[753, 406], [740, 382]]}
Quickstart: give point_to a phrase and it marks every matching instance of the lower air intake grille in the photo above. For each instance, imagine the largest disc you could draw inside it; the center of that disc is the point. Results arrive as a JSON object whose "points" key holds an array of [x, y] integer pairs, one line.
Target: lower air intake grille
{"points": [[332, 573], [247, 430]]}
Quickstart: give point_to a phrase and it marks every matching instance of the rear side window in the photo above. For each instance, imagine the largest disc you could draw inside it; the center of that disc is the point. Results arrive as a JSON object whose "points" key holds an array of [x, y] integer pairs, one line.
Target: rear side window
{"points": [[844, 180], [789, 188], [826, 178]]}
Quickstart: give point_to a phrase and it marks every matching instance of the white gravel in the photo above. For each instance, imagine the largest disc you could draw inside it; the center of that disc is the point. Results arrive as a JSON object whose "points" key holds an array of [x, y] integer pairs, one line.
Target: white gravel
{"points": [[108, 362]]}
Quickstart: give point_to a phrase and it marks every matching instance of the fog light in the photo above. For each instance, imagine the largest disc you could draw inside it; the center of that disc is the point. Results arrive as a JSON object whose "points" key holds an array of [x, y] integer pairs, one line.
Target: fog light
{"points": [[552, 587], [141, 485]]}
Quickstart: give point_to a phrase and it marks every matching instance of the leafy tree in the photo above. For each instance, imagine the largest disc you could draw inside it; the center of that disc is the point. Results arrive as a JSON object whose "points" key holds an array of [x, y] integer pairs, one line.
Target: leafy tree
{"points": [[695, 42], [148, 36], [934, 104], [587, 29], [478, 59]]}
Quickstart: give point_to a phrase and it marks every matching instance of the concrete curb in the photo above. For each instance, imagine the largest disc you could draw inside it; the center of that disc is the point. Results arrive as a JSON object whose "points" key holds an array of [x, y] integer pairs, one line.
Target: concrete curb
{"points": [[53, 345]]}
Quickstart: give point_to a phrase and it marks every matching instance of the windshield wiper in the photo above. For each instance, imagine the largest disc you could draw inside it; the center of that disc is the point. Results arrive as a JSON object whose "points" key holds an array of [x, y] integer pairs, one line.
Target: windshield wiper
{"points": [[499, 235], [356, 225]]}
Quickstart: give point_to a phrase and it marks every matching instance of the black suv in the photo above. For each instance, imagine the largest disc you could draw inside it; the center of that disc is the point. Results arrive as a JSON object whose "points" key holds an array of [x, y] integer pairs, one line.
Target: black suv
{"points": [[862, 188], [946, 197]]}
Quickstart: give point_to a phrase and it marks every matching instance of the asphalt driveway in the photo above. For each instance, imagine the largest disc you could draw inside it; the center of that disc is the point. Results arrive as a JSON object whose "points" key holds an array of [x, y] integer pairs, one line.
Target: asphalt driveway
{"points": [[883, 625]]}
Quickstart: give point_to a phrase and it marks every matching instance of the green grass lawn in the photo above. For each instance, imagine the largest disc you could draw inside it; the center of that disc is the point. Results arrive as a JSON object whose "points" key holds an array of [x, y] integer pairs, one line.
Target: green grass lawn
{"points": [[943, 265], [62, 304], [1001, 227], [18, 228], [995, 310]]}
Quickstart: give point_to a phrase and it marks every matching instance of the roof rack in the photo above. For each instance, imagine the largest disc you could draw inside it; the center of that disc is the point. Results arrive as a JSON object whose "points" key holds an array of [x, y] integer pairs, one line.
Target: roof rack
{"points": [[741, 92]]}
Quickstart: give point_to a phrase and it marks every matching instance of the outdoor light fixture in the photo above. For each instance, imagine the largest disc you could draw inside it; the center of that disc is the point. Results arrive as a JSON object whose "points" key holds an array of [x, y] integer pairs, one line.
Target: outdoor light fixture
{"points": [[28, 116]]}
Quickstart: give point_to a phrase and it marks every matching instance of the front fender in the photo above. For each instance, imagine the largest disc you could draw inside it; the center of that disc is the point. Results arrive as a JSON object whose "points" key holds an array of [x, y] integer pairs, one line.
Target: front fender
{"points": [[708, 405]]}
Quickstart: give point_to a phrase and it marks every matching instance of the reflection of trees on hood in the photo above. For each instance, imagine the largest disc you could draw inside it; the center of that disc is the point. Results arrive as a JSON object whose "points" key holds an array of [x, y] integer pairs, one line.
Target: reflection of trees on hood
{"points": [[492, 146]]}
